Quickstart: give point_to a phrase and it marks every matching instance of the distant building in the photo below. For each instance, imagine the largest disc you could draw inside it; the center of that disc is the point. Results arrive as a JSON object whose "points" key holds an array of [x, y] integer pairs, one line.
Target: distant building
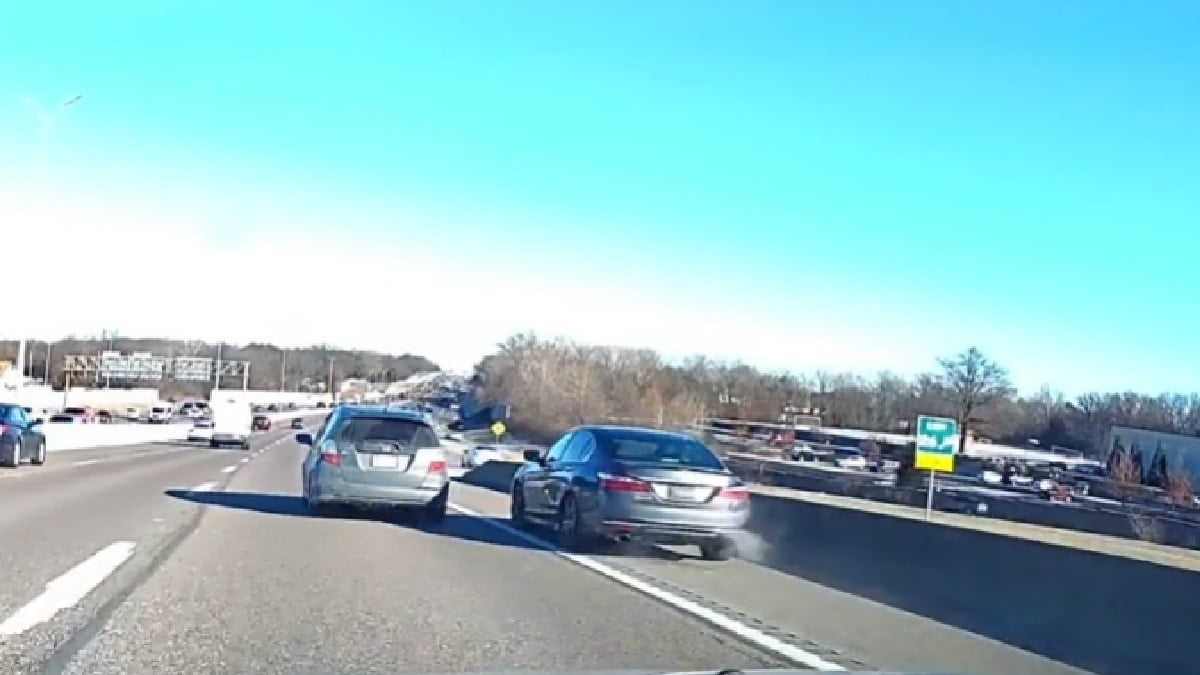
{"points": [[1182, 453]]}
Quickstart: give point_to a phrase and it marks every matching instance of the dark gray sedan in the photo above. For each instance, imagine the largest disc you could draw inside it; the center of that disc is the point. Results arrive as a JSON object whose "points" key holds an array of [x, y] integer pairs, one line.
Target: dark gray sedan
{"points": [[605, 483]]}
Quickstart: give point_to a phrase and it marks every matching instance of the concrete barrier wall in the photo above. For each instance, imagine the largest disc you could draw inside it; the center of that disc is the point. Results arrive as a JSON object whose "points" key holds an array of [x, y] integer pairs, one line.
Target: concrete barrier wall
{"points": [[41, 397], [68, 436], [1079, 517], [265, 397], [1122, 614], [61, 437]]}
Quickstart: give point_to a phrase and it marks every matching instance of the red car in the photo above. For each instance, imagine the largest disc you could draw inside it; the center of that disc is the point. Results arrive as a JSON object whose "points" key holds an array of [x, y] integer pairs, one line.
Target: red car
{"points": [[261, 423]]}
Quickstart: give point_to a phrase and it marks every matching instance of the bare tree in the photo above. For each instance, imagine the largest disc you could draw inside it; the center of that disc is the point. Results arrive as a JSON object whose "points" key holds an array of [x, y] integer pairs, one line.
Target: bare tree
{"points": [[552, 384], [975, 382]]}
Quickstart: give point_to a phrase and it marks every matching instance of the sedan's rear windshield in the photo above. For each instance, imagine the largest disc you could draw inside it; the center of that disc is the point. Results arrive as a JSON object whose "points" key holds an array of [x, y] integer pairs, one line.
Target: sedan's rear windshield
{"points": [[656, 448], [409, 434]]}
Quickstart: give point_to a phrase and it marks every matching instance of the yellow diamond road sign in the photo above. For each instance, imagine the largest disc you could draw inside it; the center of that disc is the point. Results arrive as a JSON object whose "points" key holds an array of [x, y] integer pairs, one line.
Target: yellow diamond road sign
{"points": [[498, 428]]}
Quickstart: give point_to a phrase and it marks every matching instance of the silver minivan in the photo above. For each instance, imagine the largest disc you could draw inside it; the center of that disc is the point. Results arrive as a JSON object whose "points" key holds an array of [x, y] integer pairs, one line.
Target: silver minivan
{"points": [[376, 457]]}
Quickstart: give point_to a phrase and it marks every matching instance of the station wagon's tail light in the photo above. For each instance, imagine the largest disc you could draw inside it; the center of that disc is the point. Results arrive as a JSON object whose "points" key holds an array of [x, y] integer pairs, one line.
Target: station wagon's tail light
{"points": [[613, 483], [330, 454], [437, 466], [739, 493]]}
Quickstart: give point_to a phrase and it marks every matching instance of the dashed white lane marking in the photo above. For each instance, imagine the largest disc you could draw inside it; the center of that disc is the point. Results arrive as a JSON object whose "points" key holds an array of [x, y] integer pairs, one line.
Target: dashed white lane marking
{"points": [[230, 469], [86, 462], [244, 460], [747, 633], [69, 588], [204, 487]]}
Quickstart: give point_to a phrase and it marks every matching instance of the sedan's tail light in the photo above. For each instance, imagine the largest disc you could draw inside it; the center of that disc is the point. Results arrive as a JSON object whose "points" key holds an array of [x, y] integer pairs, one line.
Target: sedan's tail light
{"points": [[613, 483]]}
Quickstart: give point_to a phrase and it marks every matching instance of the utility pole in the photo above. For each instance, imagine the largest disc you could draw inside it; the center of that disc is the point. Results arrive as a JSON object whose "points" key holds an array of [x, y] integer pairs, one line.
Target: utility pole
{"points": [[332, 395], [283, 370], [217, 372], [21, 347], [108, 335]]}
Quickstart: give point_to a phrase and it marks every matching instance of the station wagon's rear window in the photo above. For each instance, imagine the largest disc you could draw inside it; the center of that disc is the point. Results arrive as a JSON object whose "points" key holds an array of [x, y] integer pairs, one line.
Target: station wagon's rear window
{"points": [[408, 433]]}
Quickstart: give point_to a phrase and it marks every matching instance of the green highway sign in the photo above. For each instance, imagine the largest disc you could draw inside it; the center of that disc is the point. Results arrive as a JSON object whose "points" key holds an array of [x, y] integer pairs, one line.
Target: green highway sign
{"points": [[937, 443]]}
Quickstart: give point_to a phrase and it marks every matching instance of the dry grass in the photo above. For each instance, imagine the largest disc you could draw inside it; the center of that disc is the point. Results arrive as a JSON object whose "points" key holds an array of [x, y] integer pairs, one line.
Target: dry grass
{"points": [[1179, 489], [1126, 476]]}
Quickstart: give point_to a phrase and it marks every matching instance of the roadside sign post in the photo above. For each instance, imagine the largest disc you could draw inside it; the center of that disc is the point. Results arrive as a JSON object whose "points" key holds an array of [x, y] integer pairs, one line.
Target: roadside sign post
{"points": [[937, 443], [498, 430]]}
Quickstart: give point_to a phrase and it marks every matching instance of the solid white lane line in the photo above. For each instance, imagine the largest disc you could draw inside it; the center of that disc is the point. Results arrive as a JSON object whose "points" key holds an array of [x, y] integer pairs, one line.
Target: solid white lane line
{"points": [[747, 633], [204, 487], [69, 588], [230, 469]]}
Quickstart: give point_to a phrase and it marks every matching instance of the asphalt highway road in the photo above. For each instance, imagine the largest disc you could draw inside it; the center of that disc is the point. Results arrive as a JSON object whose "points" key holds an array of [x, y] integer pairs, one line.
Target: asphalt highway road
{"points": [[167, 558], [170, 558]]}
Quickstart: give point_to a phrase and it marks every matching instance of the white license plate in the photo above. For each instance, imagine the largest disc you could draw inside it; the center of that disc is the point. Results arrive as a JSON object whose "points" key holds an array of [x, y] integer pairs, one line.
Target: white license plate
{"points": [[686, 494], [385, 462]]}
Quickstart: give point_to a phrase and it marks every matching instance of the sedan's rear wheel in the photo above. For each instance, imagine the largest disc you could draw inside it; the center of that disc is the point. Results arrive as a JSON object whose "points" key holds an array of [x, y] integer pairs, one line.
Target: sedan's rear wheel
{"points": [[13, 457], [516, 508], [39, 457], [572, 534], [721, 549]]}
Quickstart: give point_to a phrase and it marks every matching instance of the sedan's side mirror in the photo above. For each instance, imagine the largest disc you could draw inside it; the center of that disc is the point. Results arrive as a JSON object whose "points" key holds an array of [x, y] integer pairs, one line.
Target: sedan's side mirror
{"points": [[304, 438], [533, 456]]}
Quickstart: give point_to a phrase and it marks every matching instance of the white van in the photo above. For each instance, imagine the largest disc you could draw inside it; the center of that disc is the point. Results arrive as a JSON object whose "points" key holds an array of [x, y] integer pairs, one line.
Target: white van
{"points": [[160, 414], [232, 423]]}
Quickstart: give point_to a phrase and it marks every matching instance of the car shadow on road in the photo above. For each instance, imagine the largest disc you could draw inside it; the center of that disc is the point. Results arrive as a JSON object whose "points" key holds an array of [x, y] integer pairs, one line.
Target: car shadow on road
{"points": [[479, 529], [179, 444]]}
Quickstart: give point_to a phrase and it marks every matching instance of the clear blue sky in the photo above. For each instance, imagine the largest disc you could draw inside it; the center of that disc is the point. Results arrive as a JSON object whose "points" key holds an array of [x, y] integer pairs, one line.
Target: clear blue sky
{"points": [[1030, 168]]}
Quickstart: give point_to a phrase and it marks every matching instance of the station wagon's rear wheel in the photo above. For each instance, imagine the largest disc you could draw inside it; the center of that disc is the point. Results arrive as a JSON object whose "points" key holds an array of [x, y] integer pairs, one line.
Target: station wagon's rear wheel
{"points": [[435, 511], [39, 457]]}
